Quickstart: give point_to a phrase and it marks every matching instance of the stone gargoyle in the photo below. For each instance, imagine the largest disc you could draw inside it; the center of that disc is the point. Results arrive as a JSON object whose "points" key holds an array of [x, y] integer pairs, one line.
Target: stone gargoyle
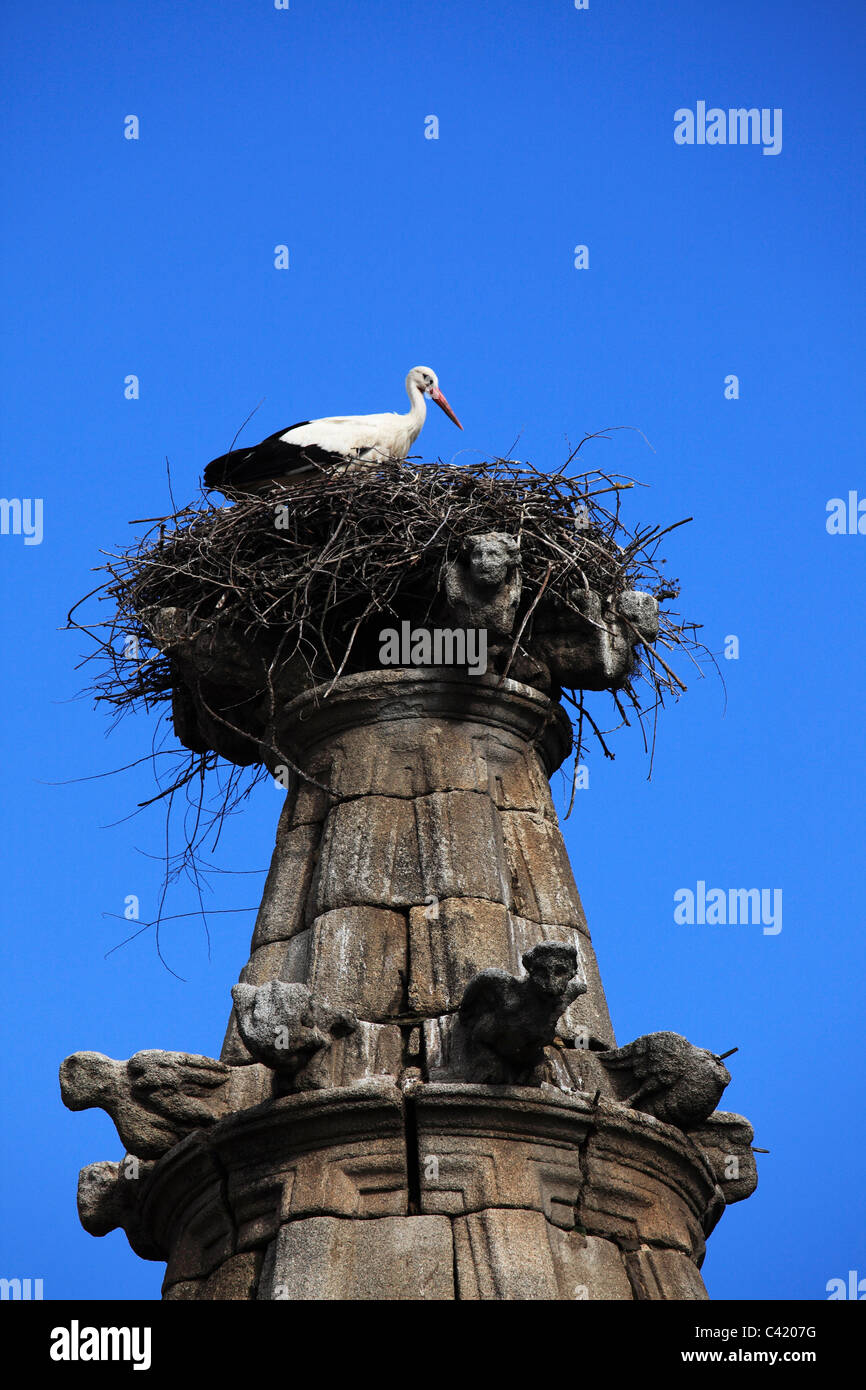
{"points": [[291, 1031], [155, 1099], [483, 585], [665, 1075], [725, 1140], [505, 1022], [590, 645], [109, 1198]]}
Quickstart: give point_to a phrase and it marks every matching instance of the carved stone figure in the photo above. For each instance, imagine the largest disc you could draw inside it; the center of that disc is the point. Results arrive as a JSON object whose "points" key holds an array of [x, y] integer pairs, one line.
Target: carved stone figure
{"points": [[483, 585], [504, 1022], [109, 1196], [665, 1075], [725, 1140], [154, 1099], [288, 1029]]}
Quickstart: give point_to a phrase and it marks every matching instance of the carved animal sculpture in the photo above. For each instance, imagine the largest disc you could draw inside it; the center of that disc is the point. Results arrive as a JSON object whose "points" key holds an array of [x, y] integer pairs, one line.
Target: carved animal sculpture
{"points": [[665, 1075], [483, 585], [154, 1099], [285, 1027], [504, 1022]]}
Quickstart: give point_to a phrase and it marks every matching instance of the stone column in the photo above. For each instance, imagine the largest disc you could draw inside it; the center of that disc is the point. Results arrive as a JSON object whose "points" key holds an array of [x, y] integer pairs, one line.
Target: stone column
{"points": [[411, 1103], [435, 854]]}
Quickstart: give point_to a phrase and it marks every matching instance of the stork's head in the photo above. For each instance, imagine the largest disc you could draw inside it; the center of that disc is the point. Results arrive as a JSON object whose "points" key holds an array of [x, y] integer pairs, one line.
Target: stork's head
{"points": [[426, 381]]}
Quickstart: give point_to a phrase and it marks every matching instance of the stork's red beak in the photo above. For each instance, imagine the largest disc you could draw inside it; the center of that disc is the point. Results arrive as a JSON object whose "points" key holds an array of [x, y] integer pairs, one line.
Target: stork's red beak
{"points": [[436, 395]]}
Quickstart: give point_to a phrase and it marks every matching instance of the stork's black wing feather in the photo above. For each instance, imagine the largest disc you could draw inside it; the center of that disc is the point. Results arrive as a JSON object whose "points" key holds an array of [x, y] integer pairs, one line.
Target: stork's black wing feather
{"points": [[273, 458]]}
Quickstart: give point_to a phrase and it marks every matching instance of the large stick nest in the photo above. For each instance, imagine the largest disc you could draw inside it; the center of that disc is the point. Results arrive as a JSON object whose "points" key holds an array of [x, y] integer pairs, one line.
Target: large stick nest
{"points": [[360, 549]]}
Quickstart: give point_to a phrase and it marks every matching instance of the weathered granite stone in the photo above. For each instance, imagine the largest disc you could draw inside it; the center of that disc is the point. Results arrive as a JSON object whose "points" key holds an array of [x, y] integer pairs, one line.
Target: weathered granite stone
{"points": [[393, 1257], [594, 648], [483, 584], [514, 777], [288, 961], [725, 1140], [452, 940], [308, 1043], [642, 610], [281, 914], [306, 802], [358, 961], [234, 1281], [579, 1069], [434, 799], [517, 1255], [665, 1075], [504, 1023], [646, 1183], [185, 1210], [109, 1198], [329, 1152], [543, 883], [664, 1274], [288, 1028], [511, 1147], [369, 857], [460, 846], [184, 1290], [154, 1098], [449, 942]]}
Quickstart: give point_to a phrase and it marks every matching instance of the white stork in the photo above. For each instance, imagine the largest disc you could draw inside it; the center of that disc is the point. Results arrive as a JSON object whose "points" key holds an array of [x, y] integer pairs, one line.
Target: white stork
{"points": [[305, 449]]}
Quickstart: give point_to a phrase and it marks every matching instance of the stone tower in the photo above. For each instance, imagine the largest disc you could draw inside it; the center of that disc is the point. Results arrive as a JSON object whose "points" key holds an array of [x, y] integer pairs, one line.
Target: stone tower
{"points": [[419, 1095]]}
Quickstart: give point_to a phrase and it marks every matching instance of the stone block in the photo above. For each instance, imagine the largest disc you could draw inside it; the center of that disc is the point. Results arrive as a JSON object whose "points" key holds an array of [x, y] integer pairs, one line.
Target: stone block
{"points": [[516, 780], [519, 1256], [541, 875], [664, 1274], [449, 942], [374, 1049], [506, 1146], [236, 1280], [381, 759], [199, 1233], [281, 914], [358, 961], [646, 1183], [248, 1086], [306, 803], [335, 1152], [390, 1258], [281, 960], [470, 1172], [460, 846], [368, 857], [184, 1290], [578, 1069]]}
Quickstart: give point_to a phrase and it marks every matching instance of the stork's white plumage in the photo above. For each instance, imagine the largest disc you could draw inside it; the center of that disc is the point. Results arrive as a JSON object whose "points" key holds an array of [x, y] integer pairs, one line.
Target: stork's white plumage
{"points": [[305, 449]]}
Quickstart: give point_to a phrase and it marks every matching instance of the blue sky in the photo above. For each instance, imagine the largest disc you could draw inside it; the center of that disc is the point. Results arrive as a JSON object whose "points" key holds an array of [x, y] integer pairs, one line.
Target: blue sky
{"points": [[155, 258]]}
